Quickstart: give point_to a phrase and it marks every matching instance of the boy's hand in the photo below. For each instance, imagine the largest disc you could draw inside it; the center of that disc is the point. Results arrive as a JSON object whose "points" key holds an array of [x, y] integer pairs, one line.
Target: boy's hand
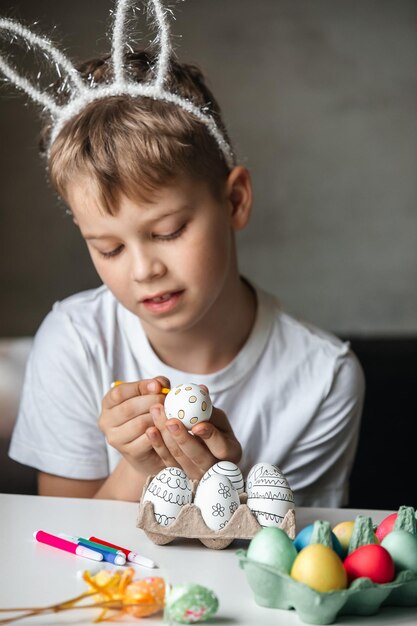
{"points": [[213, 441], [125, 417]]}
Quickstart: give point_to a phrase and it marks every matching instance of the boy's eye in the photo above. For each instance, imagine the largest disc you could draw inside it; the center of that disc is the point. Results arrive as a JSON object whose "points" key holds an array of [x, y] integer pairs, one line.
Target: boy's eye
{"points": [[170, 236], [111, 253]]}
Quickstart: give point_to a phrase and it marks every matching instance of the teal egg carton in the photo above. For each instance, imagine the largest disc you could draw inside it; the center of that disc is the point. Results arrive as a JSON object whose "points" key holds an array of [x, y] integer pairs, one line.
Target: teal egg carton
{"points": [[276, 590]]}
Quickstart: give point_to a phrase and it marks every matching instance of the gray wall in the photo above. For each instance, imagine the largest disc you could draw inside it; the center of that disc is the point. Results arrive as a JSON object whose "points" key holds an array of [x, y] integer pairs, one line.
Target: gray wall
{"points": [[320, 97]]}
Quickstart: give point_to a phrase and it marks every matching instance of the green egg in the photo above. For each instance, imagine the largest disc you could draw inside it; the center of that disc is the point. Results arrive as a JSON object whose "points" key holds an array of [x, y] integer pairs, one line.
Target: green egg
{"points": [[189, 604], [272, 546], [402, 547]]}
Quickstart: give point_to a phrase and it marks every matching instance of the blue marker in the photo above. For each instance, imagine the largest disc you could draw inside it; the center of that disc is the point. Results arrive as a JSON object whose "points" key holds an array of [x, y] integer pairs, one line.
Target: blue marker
{"points": [[109, 554]]}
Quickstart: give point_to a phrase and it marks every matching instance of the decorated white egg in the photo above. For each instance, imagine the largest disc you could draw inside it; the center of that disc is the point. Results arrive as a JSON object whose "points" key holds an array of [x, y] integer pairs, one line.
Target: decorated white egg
{"points": [[168, 491], [269, 494], [217, 499], [256, 472], [229, 469], [189, 403]]}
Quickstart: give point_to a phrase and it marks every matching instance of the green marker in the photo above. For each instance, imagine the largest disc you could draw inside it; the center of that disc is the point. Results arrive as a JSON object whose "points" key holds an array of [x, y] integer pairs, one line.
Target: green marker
{"points": [[109, 554]]}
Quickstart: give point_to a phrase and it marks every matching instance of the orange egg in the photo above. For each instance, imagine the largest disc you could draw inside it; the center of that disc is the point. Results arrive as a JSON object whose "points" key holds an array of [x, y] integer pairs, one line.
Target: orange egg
{"points": [[320, 568]]}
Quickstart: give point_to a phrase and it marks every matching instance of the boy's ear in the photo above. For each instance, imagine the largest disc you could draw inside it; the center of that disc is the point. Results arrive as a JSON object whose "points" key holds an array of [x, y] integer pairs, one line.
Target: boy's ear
{"points": [[239, 196]]}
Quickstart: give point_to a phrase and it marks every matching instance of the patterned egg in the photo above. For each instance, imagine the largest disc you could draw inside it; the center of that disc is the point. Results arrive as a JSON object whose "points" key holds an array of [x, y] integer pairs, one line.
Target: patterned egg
{"points": [[269, 494], [256, 471], [217, 499], [229, 469], [168, 491], [189, 403]]}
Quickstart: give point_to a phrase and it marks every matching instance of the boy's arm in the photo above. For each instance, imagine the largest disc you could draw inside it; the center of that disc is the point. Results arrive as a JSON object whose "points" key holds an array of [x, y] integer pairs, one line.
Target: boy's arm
{"points": [[51, 485], [124, 483], [320, 463], [57, 430]]}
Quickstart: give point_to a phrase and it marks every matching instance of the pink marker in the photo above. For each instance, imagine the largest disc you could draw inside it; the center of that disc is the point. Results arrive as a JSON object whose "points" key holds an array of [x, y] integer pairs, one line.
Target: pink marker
{"points": [[67, 546]]}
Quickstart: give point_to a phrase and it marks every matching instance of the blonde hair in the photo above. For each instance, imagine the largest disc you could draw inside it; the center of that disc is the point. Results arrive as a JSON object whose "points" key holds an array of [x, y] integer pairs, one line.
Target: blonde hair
{"points": [[135, 145]]}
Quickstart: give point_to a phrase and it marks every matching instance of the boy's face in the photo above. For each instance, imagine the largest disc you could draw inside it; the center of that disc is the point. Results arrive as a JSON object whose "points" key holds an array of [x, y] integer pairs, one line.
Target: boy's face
{"points": [[171, 261]]}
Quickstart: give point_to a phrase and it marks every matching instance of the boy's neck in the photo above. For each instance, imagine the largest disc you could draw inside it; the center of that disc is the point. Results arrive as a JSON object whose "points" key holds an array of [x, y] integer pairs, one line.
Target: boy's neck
{"points": [[209, 349]]}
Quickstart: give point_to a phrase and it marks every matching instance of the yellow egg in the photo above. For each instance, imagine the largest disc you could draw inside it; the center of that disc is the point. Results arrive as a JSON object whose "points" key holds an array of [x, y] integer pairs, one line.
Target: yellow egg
{"points": [[343, 532], [320, 568]]}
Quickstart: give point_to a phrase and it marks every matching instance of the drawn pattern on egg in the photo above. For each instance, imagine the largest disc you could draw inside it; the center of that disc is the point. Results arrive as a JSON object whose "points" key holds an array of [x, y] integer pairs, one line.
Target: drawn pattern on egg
{"points": [[189, 403], [169, 491], [269, 494], [217, 510], [217, 499], [258, 470], [229, 469]]}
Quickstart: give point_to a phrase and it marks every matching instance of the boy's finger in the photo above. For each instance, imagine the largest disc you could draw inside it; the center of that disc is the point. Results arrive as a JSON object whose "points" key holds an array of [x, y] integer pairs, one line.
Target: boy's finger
{"points": [[125, 391], [191, 447], [128, 431], [221, 445], [185, 448], [219, 419], [175, 450], [160, 448]]}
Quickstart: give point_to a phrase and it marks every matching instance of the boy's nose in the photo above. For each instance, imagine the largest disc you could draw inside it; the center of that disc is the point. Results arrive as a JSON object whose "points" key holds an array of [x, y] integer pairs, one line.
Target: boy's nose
{"points": [[145, 266]]}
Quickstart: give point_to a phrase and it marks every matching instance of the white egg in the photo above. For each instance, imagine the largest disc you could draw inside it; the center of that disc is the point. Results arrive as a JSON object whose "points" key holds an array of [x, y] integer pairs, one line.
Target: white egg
{"points": [[169, 491], [217, 499], [189, 403], [229, 469], [256, 471], [269, 494]]}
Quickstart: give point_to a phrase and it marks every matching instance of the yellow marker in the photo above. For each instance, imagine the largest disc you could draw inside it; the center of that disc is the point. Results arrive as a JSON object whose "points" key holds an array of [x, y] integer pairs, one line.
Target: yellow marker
{"points": [[164, 390]]}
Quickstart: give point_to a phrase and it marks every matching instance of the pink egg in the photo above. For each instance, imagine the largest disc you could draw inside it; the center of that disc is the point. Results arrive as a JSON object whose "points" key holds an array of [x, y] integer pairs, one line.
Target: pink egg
{"points": [[386, 526]]}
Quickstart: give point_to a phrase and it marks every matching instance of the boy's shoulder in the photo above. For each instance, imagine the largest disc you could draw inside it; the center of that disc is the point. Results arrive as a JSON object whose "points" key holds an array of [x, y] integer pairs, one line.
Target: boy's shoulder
{"points": [[86, 312], [291, 332], [87, 304], [92, 298], [302, 351]]}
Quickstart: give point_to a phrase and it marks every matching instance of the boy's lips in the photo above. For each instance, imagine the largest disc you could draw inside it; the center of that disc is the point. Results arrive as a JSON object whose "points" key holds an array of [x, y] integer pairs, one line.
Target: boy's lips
{"points": [[163, 302]]}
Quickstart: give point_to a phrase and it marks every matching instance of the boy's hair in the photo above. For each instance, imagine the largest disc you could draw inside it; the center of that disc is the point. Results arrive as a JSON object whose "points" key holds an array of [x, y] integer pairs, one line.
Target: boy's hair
{"points": [[133, 145]]}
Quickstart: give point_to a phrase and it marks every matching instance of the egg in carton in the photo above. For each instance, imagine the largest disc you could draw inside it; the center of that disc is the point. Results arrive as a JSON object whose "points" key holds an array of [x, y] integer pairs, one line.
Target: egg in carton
{"points": [[213, 510], [273, 587]]}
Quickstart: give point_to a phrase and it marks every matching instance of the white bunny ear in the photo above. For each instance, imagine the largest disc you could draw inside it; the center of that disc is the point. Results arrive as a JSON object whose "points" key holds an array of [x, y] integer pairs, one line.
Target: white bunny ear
{"points": [[120, 39], [164, 43], [56, 58], [80, 94]]}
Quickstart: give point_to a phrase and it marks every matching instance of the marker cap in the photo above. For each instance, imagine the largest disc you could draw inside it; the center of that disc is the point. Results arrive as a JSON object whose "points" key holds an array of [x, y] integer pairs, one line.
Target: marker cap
{"points": [[89, 554]]}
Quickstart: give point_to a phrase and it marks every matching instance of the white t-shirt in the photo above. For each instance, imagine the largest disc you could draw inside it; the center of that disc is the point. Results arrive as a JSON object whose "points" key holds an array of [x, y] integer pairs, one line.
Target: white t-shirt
{"points": [[293, 394]]}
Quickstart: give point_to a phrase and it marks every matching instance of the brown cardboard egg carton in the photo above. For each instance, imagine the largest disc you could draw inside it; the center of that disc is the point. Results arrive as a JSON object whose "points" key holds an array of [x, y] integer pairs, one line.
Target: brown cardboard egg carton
{"points": [[190, 524]]}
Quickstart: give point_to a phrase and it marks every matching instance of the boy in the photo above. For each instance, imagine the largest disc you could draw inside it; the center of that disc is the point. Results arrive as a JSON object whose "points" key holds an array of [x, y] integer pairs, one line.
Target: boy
{"points": [[156, 195]]}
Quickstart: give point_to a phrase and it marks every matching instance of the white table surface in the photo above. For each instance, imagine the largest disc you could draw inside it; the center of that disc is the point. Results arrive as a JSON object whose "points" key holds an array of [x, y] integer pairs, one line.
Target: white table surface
{"points": [[32, 574]]}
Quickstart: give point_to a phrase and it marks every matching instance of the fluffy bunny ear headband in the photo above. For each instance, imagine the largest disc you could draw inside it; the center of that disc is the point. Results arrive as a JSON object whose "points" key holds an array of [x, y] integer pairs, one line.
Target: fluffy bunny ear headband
{"points": [[82, 93]]}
